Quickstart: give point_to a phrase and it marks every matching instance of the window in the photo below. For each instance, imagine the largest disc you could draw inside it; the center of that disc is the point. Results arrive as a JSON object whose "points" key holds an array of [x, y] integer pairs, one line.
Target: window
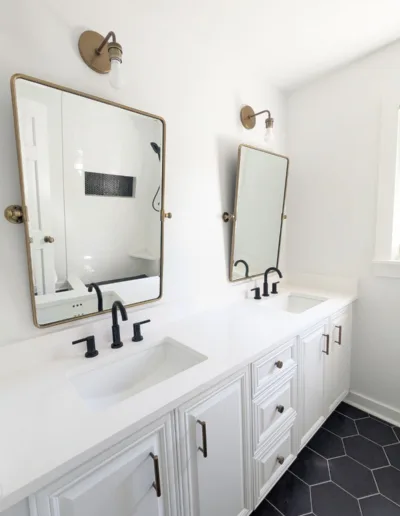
{"points": [[387, 246]]}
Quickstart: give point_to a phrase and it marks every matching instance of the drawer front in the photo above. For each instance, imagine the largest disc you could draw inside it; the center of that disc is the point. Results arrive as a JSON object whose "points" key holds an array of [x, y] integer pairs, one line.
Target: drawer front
{"points": [[272, 408], [273, 366], [271, 466]]}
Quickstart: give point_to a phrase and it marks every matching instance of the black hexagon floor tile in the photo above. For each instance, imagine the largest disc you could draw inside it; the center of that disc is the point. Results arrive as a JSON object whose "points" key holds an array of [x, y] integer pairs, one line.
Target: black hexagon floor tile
{"points": [[366, 452], [266, 509], [340, 425], [352, 477], [380, 420], [351, 412], [291, 496], [379, 506], [376, 431], [396, 430], [393, 453], [388, 480], [327, 444], [330, 500], [311, 467]]}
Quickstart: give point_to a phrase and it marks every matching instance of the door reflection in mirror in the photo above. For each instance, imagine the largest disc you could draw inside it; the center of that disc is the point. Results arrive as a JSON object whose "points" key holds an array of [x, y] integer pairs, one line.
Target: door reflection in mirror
{"points": [[93, 191]]}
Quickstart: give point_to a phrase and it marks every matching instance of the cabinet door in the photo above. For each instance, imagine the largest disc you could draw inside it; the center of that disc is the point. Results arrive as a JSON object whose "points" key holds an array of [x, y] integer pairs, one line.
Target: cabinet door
{"points": [[312, 357], [123, 484], [337, 372], [215, 451]]}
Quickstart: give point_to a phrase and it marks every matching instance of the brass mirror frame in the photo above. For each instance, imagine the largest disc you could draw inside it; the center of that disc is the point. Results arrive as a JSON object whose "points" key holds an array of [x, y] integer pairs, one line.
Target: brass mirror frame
{"points": [[235, 213], [163, 215]]}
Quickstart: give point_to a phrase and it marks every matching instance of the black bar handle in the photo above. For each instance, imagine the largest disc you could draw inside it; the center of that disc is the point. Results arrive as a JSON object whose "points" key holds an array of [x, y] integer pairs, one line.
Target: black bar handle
{"points": [[203, 449], [157, 482]]}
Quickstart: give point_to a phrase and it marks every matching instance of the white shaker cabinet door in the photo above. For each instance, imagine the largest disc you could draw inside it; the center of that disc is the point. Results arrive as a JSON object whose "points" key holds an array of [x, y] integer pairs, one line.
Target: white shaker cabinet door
{"points": [[313, 348], [123, 484], [214, 449], [337, 374]]}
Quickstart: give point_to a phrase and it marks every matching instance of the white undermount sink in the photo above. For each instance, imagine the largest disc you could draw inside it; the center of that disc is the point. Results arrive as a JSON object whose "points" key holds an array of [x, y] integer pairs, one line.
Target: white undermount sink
{"points": [[294, 303], [112, 383]]}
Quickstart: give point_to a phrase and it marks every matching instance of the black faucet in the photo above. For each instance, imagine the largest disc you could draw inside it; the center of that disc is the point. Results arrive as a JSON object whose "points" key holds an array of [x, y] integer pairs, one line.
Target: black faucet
{"points": [[270, 269], [117, 305], [245, 264], [99, 295]]}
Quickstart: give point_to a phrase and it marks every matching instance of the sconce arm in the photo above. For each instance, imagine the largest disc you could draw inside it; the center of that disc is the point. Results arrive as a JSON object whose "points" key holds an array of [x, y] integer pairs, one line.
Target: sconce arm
{"points": [[111, 34], [261, 112]]}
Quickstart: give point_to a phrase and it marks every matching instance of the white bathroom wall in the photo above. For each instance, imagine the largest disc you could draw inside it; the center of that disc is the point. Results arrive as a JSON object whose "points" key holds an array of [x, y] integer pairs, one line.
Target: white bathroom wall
{"points": [[181, 62], [334, 132]]}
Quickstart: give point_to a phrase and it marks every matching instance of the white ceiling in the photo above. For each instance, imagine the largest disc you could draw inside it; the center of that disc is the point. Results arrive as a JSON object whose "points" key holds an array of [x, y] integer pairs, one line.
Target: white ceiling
{"points": [[291, 41], [300, 39], [316, 36]]}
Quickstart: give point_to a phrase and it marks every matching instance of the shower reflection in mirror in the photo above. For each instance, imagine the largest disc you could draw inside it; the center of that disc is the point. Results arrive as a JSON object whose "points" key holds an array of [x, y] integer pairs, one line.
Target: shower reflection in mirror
{"points": [[92, 176]]}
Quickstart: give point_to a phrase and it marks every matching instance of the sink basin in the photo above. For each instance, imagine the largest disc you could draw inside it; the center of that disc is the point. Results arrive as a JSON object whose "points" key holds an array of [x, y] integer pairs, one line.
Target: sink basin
{"points": [[294, 303], [112, 383]]}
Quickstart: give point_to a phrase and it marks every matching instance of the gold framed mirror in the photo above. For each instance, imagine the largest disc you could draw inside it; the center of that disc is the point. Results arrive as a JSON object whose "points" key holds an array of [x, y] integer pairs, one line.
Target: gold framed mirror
{"points": [[259, 212], [92, 176]]}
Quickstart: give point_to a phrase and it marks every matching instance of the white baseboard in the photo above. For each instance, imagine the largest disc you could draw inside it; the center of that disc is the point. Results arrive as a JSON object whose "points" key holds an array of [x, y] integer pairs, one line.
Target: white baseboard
{"points": [[385, 412]]}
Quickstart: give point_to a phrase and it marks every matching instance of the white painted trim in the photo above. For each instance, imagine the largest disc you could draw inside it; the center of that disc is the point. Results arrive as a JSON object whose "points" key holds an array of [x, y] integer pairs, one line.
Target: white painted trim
{"points": [[387, 269], [387, 176], [381, 410]]}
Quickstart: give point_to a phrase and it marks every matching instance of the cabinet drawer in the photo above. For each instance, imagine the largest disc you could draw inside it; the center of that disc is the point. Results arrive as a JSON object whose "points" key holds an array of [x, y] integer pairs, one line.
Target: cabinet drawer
{"points": [[273, 366], [273, 407], [271, 465]]}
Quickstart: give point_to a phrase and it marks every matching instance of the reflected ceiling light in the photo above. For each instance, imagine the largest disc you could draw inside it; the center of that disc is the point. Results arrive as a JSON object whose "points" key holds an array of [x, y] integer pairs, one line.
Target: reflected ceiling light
{"points": [[102, 55], [248, 119]]}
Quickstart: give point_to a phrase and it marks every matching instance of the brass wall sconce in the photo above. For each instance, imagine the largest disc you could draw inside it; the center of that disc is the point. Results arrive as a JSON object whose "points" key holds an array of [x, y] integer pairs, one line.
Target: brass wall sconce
{"points": [[248, 119], [102, 55]]}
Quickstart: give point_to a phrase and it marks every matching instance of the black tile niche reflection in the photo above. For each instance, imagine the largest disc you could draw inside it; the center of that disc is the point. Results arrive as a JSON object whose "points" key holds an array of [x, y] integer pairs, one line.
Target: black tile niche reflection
{"points": [[109, 185], [350, 468]]}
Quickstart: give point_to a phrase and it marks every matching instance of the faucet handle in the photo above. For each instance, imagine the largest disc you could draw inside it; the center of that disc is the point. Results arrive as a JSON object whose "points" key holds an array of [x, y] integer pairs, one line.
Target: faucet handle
{"points": [[137, 336], [274, 287], [91, 346], [257, 291]]}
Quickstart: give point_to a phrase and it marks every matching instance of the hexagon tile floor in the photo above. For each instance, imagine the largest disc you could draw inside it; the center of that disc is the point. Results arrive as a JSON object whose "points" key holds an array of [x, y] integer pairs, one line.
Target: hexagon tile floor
{"points": [[351, 467]]}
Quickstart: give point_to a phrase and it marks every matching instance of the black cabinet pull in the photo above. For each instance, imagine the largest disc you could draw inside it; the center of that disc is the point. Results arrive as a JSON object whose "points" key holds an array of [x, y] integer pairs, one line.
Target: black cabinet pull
{"points": [[340, 328], [157, 482], [326, 335], [204, 438]]}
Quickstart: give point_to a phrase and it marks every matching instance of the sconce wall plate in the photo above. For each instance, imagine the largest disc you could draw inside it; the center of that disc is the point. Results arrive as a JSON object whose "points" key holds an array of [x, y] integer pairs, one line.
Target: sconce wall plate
{"points": [[14, 214], [88, 43], [247, 117]]}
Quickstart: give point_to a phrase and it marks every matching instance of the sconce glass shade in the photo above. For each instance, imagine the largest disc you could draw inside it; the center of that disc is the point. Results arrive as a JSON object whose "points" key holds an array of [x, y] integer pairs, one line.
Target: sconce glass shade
{"points": [[269, 137], [116, 74]]}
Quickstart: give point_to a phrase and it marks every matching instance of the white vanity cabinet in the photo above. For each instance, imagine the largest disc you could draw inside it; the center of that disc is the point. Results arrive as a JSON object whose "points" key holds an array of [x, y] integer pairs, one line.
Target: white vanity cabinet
{"points": [[313, 348], [337, 373], [214, 450], [122, 481], [221, 452]]}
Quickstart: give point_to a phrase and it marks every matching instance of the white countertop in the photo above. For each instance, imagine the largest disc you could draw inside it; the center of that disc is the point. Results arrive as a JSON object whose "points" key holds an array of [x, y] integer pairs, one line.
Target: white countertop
{"points": [[47, 429]]}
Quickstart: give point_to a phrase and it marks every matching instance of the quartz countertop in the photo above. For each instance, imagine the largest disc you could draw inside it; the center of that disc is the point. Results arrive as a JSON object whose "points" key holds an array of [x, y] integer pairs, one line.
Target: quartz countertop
{"points": [[47, 429]]}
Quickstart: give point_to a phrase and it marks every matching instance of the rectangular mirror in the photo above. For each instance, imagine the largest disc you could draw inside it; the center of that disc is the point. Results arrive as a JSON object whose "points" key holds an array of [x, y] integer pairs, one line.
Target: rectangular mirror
{"points": [[92, 182], [259, 212]]}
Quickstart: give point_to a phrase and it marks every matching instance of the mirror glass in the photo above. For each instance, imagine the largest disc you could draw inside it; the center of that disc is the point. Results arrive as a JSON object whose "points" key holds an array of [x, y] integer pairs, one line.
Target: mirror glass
{"points": [[259, 210], [92, 187]]}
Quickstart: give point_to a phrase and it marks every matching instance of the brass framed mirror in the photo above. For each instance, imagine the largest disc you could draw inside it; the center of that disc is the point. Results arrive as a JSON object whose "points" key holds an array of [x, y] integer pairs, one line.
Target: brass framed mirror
{"points": [[259, 212], [92, 176]]}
